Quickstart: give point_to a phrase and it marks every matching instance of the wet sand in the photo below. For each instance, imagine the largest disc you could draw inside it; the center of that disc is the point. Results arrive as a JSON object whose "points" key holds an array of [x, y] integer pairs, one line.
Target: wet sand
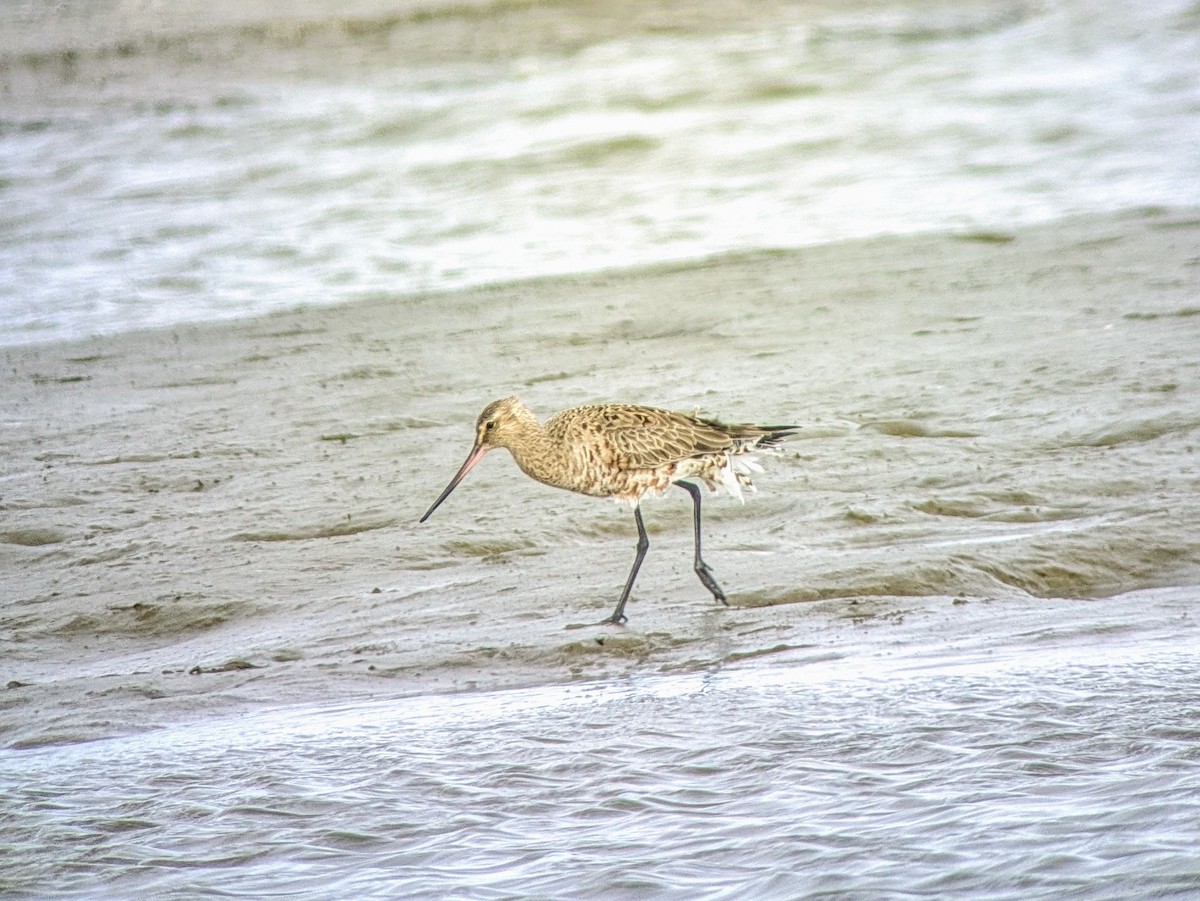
{"points": [[212, 518]]}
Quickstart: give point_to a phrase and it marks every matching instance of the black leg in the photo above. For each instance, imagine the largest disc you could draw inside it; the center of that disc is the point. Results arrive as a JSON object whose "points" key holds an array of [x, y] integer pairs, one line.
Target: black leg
{"points": [[702, 570], [643, 545]]}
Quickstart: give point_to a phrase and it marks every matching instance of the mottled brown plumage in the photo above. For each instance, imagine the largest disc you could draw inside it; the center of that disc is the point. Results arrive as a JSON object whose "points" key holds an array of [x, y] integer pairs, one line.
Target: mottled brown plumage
{"points": [[626, 452]]}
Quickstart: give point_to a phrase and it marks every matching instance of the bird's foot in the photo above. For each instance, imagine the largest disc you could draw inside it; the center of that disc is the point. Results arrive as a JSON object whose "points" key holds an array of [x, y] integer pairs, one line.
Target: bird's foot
{"points": [[706, 577], [617, 619]]}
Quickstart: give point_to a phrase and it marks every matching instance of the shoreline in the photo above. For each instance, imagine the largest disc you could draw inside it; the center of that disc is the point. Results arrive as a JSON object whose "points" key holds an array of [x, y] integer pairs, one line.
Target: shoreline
{"points": [[735, 258], [240, 497]]}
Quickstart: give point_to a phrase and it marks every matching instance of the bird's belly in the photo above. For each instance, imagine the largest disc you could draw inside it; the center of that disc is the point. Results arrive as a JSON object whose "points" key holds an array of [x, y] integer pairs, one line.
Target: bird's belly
{"points": [[628, 486]]}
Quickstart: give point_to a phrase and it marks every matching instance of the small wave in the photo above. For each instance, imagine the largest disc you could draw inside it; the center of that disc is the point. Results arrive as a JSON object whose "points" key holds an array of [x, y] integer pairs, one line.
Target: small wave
{"points": [[492, 548], [1091, 564], [161, 618], [33, 537], [571, 156], [1136, 431], [911, 428], [934, 578], [1182, 313], [1010, 507], [66, 48], [925, 25], [781, 89], [347, 526], [1071, 557], [593, 153]]}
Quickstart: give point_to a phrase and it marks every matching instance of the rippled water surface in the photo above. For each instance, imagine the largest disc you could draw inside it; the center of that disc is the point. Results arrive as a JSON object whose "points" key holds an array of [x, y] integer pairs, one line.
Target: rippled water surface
{"points": [[1072, 773], [193, 161]]}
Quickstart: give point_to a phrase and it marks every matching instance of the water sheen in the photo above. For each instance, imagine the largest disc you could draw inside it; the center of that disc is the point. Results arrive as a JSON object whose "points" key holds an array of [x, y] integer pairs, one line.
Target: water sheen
{"points": [[217, 160], [1071, 774]]}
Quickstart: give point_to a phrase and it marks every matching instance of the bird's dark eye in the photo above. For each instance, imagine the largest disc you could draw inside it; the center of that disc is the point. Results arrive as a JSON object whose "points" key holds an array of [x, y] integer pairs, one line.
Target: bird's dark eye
{"points": [[491, 425]]}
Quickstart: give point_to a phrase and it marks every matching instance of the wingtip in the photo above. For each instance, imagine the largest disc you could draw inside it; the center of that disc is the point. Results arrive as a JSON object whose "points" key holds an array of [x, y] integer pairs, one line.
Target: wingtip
{"points": [[777, 434]]}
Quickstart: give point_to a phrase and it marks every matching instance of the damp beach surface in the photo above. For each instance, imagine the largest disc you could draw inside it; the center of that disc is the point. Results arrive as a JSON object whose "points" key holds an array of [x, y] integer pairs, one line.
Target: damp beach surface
{"points": [[963, 636]]}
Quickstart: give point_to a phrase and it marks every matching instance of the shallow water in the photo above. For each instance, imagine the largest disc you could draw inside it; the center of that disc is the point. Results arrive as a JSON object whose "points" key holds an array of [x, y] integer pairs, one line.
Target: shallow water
{"points": [[203, 161], [1065, 771]]}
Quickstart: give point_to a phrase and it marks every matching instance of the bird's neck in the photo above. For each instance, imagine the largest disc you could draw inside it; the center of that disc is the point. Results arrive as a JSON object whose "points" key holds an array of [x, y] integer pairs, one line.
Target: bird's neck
{"points": [[538, 456]]}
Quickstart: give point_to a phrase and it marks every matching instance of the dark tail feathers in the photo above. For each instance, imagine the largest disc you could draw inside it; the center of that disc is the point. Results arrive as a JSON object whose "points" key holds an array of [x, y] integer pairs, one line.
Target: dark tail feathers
{"points": [[776, 435]]}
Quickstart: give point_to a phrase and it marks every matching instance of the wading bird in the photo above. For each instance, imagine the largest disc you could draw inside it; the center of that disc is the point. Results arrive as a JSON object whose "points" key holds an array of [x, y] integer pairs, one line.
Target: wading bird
{"points": [[625, 452]]}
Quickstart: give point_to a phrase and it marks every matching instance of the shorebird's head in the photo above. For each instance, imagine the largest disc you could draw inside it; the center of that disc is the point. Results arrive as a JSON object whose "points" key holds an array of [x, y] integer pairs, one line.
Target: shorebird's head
{"points": [[501, 422], [499, 425]]}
